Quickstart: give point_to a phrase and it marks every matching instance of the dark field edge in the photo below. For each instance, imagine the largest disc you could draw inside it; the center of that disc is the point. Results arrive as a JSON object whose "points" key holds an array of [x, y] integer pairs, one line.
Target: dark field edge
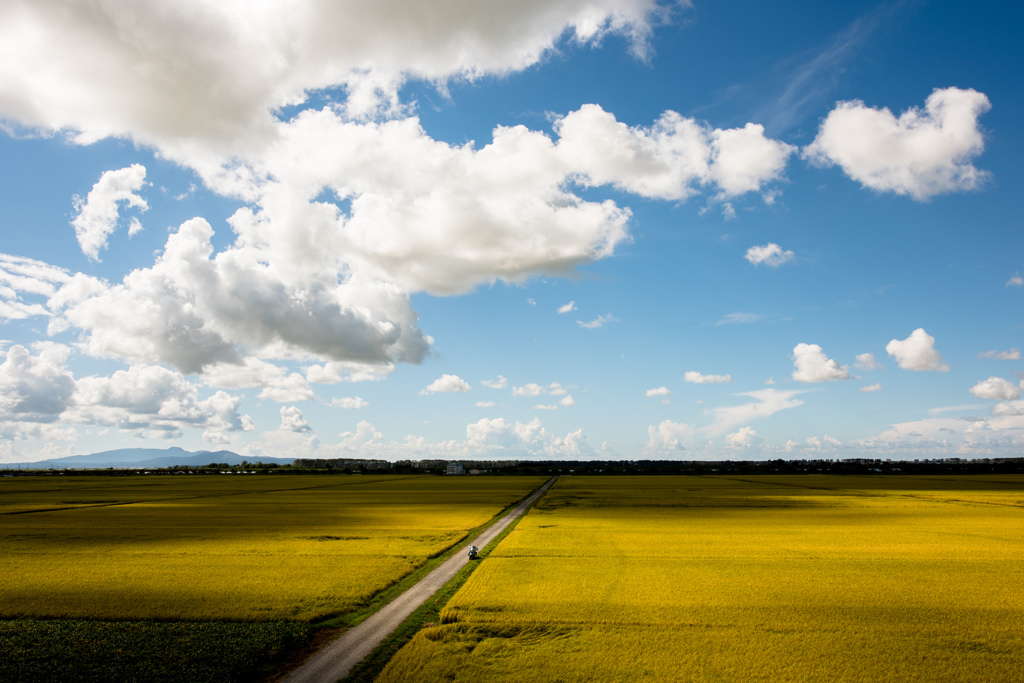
{"points": [[75, 650], [428, 614]]}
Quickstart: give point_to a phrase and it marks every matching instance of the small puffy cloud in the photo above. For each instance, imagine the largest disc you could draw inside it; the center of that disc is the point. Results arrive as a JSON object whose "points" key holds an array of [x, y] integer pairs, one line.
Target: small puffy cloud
{"points": [[599, 321], [293, 421], [871, 387], [831, 441], [812, 365], [669, 436], [349, 403], [484, 404], [1012, 354], [995, 388], [694, 377], [541, 406], [746, 437], [531, 302], [770, 254], [766, 402], [567, 401], [534, 389], [917, 352], [921, 154], [1015, 281], [740, 319], [531, 389], [660, 391], [499, 383], [567, 308], [447, 384], [98, 212], [867, 361]]}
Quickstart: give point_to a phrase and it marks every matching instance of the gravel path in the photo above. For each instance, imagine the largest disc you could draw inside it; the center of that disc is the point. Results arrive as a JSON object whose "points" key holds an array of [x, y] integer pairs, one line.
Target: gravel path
{"points": [[337, 659]]}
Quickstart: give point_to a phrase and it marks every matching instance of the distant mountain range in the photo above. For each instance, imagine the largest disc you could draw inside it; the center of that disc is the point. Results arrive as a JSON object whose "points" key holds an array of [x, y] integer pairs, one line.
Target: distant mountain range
{"points": [[144, 458]]}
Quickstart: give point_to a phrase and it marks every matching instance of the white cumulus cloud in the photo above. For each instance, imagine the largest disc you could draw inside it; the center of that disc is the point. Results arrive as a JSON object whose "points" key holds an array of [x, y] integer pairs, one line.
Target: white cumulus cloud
{"points": [[660, 391], [917, 352], [746, 437], [867, 361], [995, 388], [694, 377], [293, 421], [567, 308], [871, 387], [922, 153], [447, 384], [812, 365], [98, 212], [770, 254], [669, 436]]}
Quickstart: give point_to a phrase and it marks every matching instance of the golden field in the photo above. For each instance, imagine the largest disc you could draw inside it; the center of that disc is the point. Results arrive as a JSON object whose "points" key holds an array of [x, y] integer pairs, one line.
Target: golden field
{"points": [[198, 547], [760, 578]]}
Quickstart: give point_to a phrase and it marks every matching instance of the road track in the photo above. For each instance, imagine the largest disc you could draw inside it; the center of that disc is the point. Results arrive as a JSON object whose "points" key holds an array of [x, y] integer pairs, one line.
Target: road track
{"points": [[335, 661]]}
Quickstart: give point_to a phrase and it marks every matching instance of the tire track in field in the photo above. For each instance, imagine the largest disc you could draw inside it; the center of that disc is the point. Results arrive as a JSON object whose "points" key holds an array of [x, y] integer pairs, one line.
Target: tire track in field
{"points": [[336, 660]]}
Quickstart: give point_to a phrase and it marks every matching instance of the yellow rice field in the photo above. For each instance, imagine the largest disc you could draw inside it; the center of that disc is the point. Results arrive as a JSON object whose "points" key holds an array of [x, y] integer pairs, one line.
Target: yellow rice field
{"points": [[196, 547], [760, 578]]}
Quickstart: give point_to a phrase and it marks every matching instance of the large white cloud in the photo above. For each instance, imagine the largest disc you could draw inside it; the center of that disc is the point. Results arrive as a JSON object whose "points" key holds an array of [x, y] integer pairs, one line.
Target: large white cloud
{"points": [[917, 352], [98, 212], [149, 401], [922, 153], [35, 388], [152, 401], [672, 159], [192, 310], [197, 73], [812, 365], [995, 388], [274, 381]]}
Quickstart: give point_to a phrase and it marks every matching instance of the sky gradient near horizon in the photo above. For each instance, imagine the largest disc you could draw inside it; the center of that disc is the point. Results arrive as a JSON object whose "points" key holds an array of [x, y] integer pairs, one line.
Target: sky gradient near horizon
{"points": [[582, 229]]}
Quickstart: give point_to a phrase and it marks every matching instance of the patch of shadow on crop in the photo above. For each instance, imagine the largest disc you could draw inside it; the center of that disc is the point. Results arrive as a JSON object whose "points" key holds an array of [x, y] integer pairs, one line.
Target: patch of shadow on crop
{"points": [[336, 538], [979, 647]]}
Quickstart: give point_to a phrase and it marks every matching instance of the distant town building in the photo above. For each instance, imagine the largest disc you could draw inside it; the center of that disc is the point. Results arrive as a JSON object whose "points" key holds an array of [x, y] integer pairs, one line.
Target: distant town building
{"points": [[456, 468]]}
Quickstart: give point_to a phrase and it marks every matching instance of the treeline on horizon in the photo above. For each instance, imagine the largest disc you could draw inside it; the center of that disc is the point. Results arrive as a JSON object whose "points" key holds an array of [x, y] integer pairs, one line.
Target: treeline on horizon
{"points": [[849, 466]]}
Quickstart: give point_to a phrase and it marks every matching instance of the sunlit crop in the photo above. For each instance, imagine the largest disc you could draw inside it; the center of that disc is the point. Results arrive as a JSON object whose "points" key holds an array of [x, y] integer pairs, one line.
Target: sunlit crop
{"points": [[737, 579], [227, 547]]}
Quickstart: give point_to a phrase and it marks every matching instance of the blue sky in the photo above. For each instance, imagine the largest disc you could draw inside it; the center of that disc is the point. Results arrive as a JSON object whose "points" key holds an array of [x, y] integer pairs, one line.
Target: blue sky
{"points": [[569, 229]]}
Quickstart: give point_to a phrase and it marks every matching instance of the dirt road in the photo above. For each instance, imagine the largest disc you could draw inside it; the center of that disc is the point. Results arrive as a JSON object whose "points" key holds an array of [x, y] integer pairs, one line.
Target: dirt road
{"points": [[337, 659]]}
